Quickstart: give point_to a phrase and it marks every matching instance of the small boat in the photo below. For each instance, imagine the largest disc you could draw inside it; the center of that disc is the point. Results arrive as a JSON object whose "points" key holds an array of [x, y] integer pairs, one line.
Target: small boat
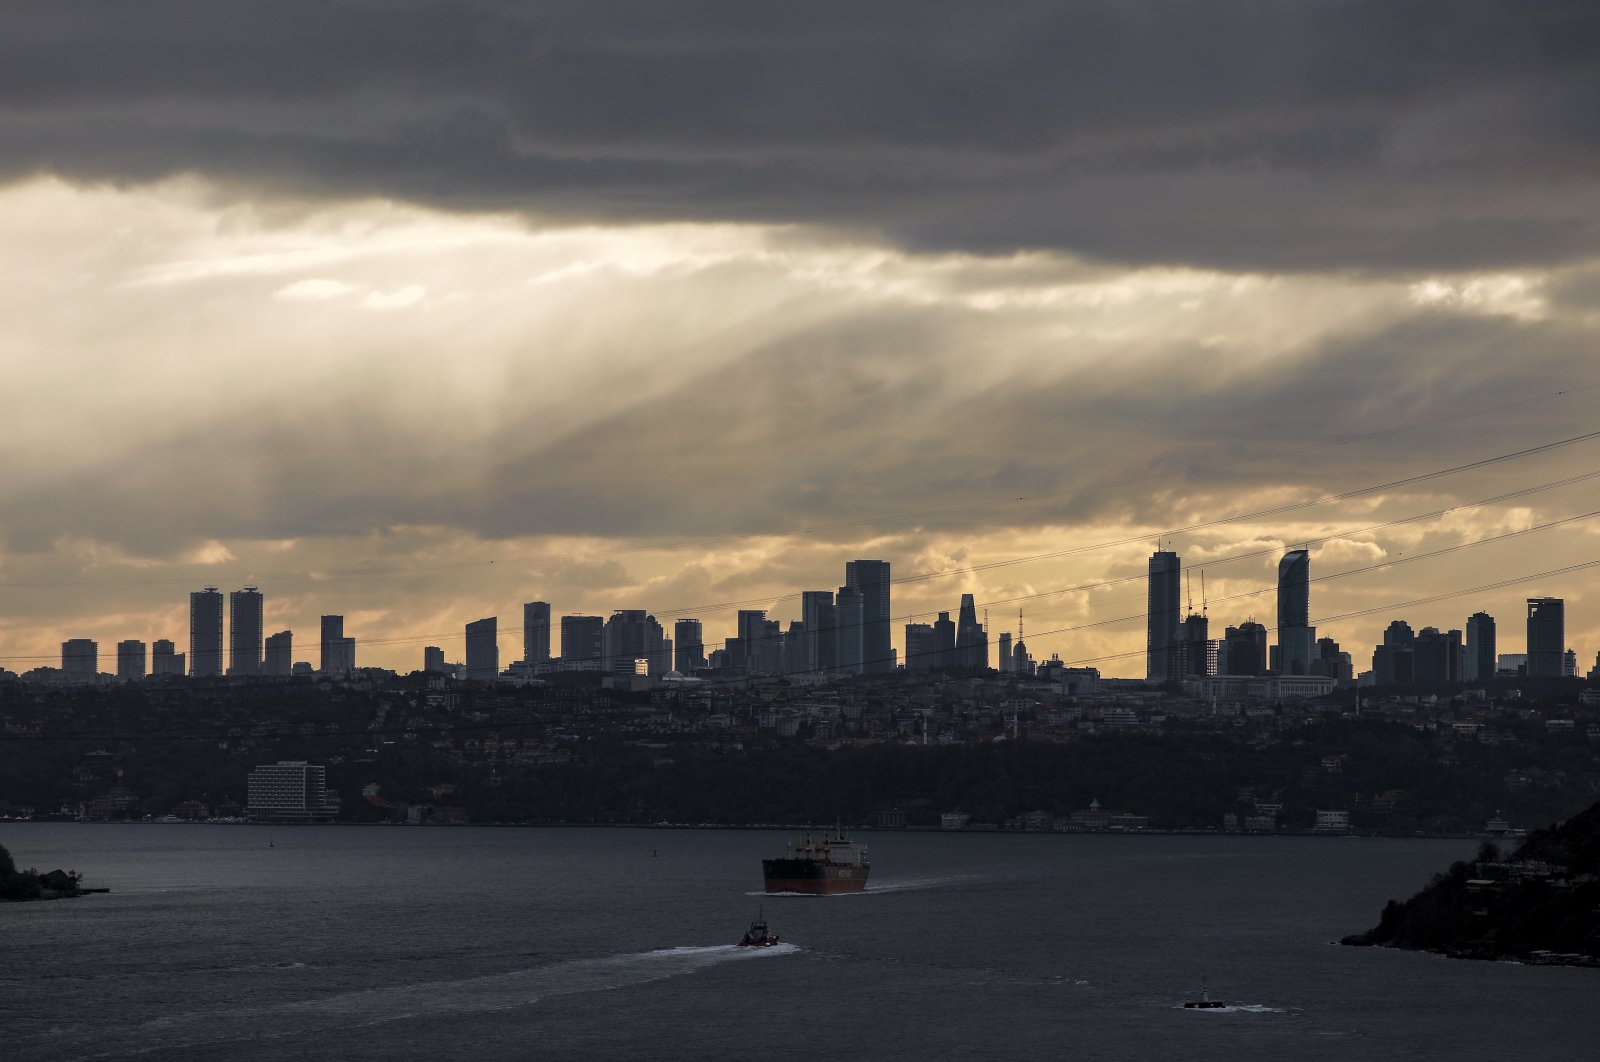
{"points": [[757, 936], [1205, 1002]]}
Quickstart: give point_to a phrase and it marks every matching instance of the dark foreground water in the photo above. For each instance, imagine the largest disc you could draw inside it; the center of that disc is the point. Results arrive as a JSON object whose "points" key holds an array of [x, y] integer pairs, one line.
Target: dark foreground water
{"points": [[483, 944]]}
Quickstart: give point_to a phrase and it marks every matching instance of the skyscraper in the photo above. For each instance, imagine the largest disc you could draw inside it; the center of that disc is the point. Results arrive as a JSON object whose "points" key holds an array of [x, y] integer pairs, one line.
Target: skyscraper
{"points": [[1189, 655], [972, 641], [433, 659], [1296, 637], [1245, 648], [80, 658], [244, 632], [748, 649], [631, 635], [164, 658], [944, 643], [130, 660], [1480, 647], [580, 642], [205, 632], [536, 632], [1005, 651], [1430, 657], [1161, 613], [483, 649], [817, 613], [848, 648], [871, 578], [338, 652], [1547, 636], [1394, 661], [279, 657], [921, 654], [688, 646]]}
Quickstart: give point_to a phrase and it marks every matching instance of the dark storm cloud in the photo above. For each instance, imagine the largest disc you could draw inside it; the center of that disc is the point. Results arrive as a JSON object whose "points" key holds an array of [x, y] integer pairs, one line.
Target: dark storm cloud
{"points": [[1373, 135], [751, 448]]}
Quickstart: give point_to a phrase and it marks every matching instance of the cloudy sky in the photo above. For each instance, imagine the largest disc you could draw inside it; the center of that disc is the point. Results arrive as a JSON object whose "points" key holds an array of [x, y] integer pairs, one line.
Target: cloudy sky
{"points": [[417, 311]]}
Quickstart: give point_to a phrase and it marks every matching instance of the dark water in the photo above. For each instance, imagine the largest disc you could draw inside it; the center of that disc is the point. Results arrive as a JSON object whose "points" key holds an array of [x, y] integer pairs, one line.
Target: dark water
{"points": [[434, 943]]}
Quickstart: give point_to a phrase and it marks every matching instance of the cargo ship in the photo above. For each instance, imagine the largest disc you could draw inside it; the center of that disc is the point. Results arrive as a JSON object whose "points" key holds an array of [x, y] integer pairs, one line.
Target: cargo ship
{"points": [[821, 865]]}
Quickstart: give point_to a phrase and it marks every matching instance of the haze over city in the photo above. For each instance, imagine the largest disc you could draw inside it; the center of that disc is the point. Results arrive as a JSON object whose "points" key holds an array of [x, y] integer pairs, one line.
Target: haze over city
{"points": [[468, 306]]}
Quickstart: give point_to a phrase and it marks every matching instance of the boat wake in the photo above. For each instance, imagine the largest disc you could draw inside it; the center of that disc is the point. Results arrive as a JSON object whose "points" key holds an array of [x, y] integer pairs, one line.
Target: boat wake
{"points": [[1235, 1008], [525, 987], [430, 999]]}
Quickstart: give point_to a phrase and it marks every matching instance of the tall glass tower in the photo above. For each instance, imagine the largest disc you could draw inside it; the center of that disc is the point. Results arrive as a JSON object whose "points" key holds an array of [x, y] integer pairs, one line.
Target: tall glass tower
{"points": [[1162, 618], [1480, 647], [871, 579], [536, 632], [483, 649], [1547, 636], [1296, 637]]}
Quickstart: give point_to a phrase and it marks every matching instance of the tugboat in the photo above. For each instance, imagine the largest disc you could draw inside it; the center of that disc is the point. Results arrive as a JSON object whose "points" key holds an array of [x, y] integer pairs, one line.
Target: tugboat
{"points": [[757, 936], [1205, 1002], [820, 866]]}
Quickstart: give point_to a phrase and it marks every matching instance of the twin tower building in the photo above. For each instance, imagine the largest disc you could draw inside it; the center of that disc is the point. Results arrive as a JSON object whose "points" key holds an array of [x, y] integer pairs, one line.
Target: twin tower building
{"points": [[248, 652]]}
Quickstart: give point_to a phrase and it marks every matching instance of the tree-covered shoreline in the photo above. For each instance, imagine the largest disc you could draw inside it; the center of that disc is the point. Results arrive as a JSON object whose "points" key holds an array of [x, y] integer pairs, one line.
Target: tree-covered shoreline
{"points": [[1540, 904], [32, 885]]}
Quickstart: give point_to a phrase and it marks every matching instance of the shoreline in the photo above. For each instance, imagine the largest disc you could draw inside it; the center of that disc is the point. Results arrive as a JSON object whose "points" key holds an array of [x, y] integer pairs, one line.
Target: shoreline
{"points": [[789, 827], [1573, 960]]}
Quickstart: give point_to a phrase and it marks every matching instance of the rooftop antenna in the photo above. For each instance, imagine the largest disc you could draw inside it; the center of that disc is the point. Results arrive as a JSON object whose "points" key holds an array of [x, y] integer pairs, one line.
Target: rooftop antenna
{"points": [[1019, 625]]}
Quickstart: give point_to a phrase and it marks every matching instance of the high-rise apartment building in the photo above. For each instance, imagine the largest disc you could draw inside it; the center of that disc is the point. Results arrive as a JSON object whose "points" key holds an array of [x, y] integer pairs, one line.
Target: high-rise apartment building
{"points": [[278, 660], [130, 660], [433, 659], [80, 658], [871, 579], [1547, 636], [1005, 651], [165, 659], [1161, 613], [536, 632], [205, 632], [244, 632], [581, 638], [483, 649], [1296, 637], [688, 646], [1481, 654]]}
